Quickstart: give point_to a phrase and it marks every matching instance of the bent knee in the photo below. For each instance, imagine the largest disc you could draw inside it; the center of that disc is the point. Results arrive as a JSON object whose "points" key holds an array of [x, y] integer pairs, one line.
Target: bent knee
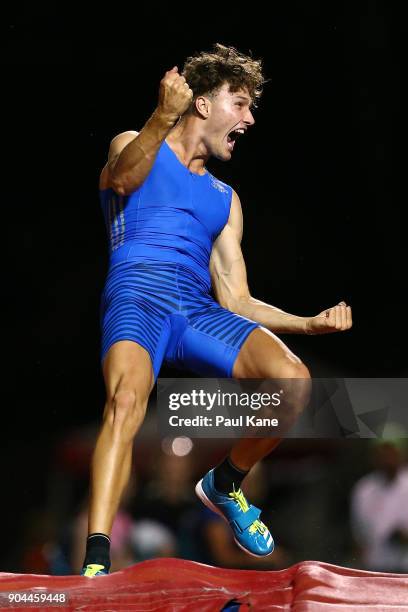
{"points": [[289, 367], [126, 410], [294, 369], [296, 381]]}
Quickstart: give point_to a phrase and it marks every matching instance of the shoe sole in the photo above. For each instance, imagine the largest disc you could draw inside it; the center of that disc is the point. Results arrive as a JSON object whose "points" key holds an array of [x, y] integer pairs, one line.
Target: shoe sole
{"points": [[207, 502]]}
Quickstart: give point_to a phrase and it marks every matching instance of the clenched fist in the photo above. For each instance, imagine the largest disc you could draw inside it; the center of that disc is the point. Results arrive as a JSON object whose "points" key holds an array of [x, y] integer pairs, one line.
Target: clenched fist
{"points": [[337, 318], [175, 95]]}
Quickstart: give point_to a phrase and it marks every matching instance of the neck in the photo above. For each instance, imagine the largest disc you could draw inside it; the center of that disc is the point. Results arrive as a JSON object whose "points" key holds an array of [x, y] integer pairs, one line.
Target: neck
{"points": [[186, 141]]}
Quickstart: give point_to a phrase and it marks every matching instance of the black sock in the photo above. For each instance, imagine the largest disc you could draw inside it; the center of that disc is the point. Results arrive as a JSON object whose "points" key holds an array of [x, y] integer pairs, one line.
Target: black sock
{"points": [[228, 477], [97, 550]]}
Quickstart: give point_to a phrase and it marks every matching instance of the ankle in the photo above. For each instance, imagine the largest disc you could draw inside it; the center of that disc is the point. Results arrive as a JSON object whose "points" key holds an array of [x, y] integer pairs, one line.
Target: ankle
{"points": [[98, 550], [228, 477]]}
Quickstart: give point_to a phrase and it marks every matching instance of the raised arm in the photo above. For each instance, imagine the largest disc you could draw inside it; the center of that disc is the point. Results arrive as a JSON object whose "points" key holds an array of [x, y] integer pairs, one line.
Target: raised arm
{"points": [[132, 154], [229, 279]]}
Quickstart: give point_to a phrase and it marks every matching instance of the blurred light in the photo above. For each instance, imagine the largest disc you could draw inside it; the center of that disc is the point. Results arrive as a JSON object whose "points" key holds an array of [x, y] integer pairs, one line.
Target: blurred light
{"points": [[166, 446], [177, 446], [181, 446]]}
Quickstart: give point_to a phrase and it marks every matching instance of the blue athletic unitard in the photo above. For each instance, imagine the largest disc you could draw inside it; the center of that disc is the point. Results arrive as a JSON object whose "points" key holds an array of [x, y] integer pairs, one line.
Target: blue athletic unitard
{"points": [[157, 291]]}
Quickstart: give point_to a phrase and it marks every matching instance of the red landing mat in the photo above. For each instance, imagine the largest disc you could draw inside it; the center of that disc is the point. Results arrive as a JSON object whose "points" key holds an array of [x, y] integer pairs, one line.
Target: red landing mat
{"points": [[177, 585]]}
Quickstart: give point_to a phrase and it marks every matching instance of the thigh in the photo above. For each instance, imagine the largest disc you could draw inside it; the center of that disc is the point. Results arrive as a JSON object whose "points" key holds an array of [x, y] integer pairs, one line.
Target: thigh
{"points": [[135, 307], [211, 341], [264, 355], [128, 367]]}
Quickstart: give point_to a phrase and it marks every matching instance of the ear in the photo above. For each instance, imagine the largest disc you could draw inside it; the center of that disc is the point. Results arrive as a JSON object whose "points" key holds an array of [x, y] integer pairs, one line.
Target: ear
{"points": [[203, 106]]}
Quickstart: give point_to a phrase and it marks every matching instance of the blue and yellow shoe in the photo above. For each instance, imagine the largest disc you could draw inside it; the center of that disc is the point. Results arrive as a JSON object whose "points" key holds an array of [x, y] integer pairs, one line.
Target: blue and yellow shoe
{"points": [[249, 532], [94, 569]]}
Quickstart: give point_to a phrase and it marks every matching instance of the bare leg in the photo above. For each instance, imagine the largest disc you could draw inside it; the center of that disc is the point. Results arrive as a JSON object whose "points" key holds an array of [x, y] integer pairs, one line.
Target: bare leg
{"points": [[129, 380], [263, 355]]}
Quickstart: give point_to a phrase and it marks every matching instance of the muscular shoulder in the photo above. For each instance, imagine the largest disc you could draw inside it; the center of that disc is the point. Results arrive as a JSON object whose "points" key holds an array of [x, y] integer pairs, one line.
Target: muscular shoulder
{"points": [[117, 144]]}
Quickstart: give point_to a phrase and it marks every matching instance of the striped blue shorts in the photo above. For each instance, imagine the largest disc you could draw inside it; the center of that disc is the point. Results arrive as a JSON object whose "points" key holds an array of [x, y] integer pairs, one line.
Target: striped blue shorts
{"points": [[167, 309]]}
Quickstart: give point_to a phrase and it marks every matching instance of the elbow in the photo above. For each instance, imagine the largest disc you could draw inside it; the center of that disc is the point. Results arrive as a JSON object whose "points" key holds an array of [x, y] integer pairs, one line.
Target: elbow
{"points": [[118, 185], [123, 186], [236, 304], [119, 189], [226, 302]]}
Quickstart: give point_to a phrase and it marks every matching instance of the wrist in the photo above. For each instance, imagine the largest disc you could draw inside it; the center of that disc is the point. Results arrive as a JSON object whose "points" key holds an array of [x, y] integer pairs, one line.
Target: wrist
{"points": [[307, 328], [164, 118]]}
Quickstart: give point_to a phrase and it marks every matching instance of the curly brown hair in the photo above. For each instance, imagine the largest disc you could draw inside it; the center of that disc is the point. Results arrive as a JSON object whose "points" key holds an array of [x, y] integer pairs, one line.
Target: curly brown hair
{"points": [[206, 72]]}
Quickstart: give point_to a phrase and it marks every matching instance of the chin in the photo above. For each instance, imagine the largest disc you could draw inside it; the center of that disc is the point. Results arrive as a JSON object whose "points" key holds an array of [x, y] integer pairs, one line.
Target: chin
{"points": [[223, 155]]}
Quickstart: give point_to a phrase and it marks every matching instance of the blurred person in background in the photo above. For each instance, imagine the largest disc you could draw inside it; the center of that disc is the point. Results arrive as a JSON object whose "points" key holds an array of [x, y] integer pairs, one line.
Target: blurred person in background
{"points": [[168, 498], [379, 509]]}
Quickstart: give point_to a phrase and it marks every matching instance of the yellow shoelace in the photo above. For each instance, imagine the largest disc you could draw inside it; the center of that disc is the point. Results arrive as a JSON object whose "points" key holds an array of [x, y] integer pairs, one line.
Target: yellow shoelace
{"points": [[239, 498], [92, 569]]}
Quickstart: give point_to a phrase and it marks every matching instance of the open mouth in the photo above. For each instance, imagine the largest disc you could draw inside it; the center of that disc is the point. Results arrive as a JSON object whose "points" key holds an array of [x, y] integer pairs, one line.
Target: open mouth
{"points": [[233, 136]]}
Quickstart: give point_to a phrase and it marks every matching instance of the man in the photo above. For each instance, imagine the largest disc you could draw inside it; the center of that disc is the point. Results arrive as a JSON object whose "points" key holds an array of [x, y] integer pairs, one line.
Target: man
{"points": [[379, 501], [175, 230]]}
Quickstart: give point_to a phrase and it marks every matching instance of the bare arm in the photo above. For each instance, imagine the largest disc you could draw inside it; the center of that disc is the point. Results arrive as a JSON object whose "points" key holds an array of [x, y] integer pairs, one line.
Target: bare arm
{"points": [[132, 154], [229, 279]]}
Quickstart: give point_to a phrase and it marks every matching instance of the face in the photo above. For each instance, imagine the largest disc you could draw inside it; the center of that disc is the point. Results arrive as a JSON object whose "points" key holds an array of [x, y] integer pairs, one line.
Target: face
{"points": [[228, 118], [388, 458]]}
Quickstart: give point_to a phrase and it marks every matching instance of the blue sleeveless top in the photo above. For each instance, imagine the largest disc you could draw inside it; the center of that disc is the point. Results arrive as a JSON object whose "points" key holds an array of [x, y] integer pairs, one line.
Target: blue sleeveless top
{"points": [[174, 216]]}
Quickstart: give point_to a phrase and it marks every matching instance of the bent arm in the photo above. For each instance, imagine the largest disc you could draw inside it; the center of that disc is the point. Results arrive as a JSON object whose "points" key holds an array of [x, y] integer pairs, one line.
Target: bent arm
{"points": [[132, 154], [229, 279]]}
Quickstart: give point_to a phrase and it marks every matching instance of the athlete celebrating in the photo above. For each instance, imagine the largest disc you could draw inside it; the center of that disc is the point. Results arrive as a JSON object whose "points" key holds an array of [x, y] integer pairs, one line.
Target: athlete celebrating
{"points": [[174, 232]]}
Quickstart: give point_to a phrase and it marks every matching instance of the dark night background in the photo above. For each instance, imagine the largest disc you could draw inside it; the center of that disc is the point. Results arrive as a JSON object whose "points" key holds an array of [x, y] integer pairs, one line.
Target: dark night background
{"points": [[321, 177]]}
